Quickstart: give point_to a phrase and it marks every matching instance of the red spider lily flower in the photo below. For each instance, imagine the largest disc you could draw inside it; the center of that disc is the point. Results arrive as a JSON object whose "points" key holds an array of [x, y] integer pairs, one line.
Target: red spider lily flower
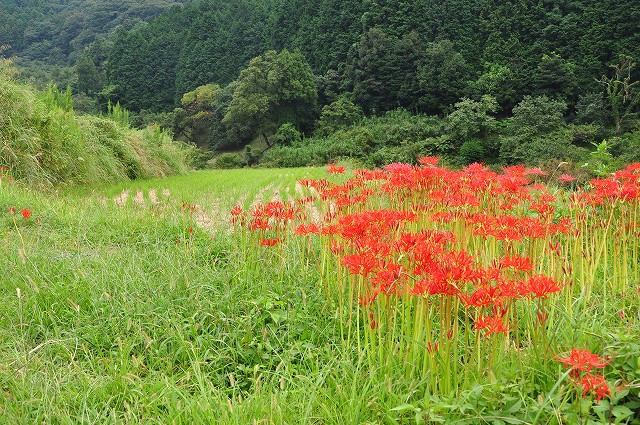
{"points": [[399, 168], [388, 278], [535, 171], [492, 324], [270, 242], [566, 178], [25, 213], [513, 289], [360, 263], [595, 384], [12, 210], [457, 267], [307, 229], [373, 223], [258, 224], [514, 170], [236, 211], [484, 296], [335, 169], [583, 360], [540, 286], [542, 208], [434, 287], [517, 262], [429, 161]]}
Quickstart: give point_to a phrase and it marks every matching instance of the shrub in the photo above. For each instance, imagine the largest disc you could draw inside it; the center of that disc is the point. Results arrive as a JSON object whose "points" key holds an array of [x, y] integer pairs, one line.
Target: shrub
{"points": [[228, 160], [287, 134], [471, 151], [338, 115]]}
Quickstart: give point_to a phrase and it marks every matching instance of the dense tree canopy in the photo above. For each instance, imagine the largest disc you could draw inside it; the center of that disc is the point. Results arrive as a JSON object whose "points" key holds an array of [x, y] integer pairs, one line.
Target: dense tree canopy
{"points": [[54, 30], [416, 54], [545, 64]]}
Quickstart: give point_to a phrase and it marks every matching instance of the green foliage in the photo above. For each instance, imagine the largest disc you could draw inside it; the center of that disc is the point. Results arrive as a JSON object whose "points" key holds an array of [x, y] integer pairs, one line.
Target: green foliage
{"points": [[471, 151], [442, 75], [275, 88], [554, 77], [142, 68], [287, 134], [423, 56], [201, 111], [53, 98], [146, 118], [537, 115], [420, 56], [396, 136], [535, 149], [626, 147], [472, 119], [498, 81], [118, 114], [200, 97], [537, 133], [601, 162], [375, 72], [623, 91], [218, 38], [340, 114], [88, 79], [592, 108], [228, 160], [60, 42]]}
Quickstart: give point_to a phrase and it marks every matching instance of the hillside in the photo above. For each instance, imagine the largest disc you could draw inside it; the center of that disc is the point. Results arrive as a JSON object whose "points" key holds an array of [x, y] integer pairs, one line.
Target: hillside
{"points": [[49, 36]]}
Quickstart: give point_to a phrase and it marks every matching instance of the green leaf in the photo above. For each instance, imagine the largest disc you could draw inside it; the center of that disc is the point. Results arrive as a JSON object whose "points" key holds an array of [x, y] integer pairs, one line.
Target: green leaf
{"points": [[621, 412], [516, 407]]}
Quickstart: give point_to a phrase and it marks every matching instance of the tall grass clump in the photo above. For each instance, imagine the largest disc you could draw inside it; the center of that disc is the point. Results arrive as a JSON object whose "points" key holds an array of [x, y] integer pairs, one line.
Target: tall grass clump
{"points": [[44, 142]]}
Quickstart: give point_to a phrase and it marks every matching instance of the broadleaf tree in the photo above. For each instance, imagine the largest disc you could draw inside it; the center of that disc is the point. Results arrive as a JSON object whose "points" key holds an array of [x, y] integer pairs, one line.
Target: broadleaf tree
{"points": [[273, 89]]}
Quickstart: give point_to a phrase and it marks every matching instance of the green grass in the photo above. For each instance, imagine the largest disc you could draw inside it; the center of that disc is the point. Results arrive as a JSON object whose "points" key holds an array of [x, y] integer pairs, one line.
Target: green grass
{"points": [[228, 186], [118, 314], [44, 142], [122, 316]]}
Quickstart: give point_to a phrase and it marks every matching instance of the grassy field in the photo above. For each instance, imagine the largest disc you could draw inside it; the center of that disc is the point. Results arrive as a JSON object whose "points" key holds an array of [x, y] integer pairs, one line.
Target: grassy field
{"points": [[141, 303], [118, 314]]}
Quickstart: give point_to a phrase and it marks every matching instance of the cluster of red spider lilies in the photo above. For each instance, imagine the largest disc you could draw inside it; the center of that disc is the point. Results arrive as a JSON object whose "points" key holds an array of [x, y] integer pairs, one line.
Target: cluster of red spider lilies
{"points": [[450, 274]]}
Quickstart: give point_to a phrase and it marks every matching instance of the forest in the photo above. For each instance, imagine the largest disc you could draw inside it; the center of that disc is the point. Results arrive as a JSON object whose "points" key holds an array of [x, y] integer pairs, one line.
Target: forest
{"points": [[490, 81]]}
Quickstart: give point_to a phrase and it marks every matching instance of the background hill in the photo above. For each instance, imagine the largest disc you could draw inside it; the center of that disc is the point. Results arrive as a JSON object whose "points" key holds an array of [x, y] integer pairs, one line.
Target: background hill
{"points": [[215, 72], [49, 36]]}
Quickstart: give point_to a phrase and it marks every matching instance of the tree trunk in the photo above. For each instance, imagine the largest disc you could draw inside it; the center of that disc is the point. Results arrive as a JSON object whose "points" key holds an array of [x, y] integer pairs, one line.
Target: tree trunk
{"points": [[266, 139]]}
